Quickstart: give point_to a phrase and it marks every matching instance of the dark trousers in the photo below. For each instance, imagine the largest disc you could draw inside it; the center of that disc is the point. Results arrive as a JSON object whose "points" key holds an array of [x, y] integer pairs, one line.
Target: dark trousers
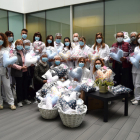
{"points": [[37, 85], [22, 87], [123, 76]]}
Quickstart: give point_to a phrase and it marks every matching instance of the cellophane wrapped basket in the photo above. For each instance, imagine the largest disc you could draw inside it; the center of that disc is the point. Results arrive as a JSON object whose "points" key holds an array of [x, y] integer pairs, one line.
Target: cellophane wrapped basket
{"points": [[72, 120], [48, 113]]}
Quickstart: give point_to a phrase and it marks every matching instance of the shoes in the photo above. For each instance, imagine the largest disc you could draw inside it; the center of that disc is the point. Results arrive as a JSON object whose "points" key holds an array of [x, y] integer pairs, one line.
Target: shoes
{"points": [[13, 107], [27, 102], [109, 103], [20, 104], [1, 107], [135, 102]]}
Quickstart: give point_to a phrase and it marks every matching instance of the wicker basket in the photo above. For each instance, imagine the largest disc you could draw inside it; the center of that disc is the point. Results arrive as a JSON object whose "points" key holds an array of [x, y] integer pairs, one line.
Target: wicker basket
{"points": [[48, 113], [72, 120]]}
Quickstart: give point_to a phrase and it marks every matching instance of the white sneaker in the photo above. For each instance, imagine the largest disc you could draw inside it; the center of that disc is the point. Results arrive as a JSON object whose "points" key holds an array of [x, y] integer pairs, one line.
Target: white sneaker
{"points": [[27, 102], [135, 102], [20, 104]]}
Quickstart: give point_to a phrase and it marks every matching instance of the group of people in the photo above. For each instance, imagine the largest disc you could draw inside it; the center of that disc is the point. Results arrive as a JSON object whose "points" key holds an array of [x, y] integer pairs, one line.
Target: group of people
{"points": [[22, 77]]}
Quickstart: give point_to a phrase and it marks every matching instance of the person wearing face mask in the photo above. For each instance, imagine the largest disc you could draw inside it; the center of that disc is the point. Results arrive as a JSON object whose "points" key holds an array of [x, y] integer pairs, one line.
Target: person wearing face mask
{"points": [[4, 78], [82, 64], [24, 34], [20, 72], [40, 70], [122, 70], [67, 49], [58, 45], [100, 48], [84, 50], [75, 42], [97, 65], [37, 36], [11, 46], [136, 75]]}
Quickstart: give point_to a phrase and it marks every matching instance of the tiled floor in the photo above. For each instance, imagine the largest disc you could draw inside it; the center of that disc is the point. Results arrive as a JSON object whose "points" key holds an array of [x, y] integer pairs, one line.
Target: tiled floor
{"points": [[26, 124]]}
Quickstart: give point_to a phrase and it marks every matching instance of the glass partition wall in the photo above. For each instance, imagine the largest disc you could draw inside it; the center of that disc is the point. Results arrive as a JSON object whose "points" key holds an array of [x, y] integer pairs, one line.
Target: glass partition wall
{"points": [[11, 21]]}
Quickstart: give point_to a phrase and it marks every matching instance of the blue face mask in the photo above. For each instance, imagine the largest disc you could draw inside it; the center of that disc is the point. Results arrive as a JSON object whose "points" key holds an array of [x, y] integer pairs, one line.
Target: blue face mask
{"points": [[67, 43], [27, 47], [37, 38], [58, 41], [49, 41], [99, 40], [81, 43], [1, 42], [10, 39], [19, 47], [44, 59], [98, 66], [81, 65], [24, 36], [57, 62]]}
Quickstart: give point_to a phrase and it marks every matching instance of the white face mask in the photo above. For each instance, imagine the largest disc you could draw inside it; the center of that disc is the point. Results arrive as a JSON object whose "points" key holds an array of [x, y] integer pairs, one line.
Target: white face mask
{"points": [[139, 40], [75, 39], [119, 39]]}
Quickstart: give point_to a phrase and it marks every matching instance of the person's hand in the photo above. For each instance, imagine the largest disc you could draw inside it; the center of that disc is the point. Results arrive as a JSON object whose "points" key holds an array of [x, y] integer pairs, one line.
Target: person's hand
{"points": [[9, 66], [75, 79], [122, 59], [111, 59], [24, 67], [44, 81]]}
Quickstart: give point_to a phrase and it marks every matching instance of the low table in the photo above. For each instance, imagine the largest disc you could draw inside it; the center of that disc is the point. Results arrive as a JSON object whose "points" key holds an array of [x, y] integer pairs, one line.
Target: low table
{"points": [[105, 97]]}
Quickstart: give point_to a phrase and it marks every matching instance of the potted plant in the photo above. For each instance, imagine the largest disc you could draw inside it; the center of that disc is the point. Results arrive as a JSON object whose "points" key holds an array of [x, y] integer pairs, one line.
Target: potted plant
{"points": [[103, 84]]}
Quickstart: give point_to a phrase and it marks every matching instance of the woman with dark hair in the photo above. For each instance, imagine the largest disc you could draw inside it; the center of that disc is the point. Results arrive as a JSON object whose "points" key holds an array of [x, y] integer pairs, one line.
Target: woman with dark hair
{"points": [[97, 65], [4, 78], [67, 49], [37, 36], [49, 41], [10, 37]]}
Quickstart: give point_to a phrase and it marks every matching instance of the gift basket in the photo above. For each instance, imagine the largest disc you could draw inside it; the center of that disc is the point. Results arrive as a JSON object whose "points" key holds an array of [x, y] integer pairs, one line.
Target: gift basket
{"points": [[117, 54], [115, 90], [71, 109], [134, 58], [88, 85], [48, 96]]}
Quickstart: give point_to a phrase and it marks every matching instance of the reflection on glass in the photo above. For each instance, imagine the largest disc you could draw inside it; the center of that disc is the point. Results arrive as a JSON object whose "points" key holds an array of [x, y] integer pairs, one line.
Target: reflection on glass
{"points": [[16, 24], [36, 23], [3, 21], [58, 21], [121, 15], [88, 20]]}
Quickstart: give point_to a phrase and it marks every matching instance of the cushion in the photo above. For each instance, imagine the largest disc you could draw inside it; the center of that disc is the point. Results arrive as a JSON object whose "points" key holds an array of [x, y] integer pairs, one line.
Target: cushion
{"points": [[30, 59], [135, 60], [76, 73], [8, 60], [51, 54], [117, 56], [38, 46]]}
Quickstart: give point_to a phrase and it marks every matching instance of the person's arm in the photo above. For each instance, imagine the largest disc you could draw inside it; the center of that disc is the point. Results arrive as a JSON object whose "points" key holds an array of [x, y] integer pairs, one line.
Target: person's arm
{"points": [[36, 75]]}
